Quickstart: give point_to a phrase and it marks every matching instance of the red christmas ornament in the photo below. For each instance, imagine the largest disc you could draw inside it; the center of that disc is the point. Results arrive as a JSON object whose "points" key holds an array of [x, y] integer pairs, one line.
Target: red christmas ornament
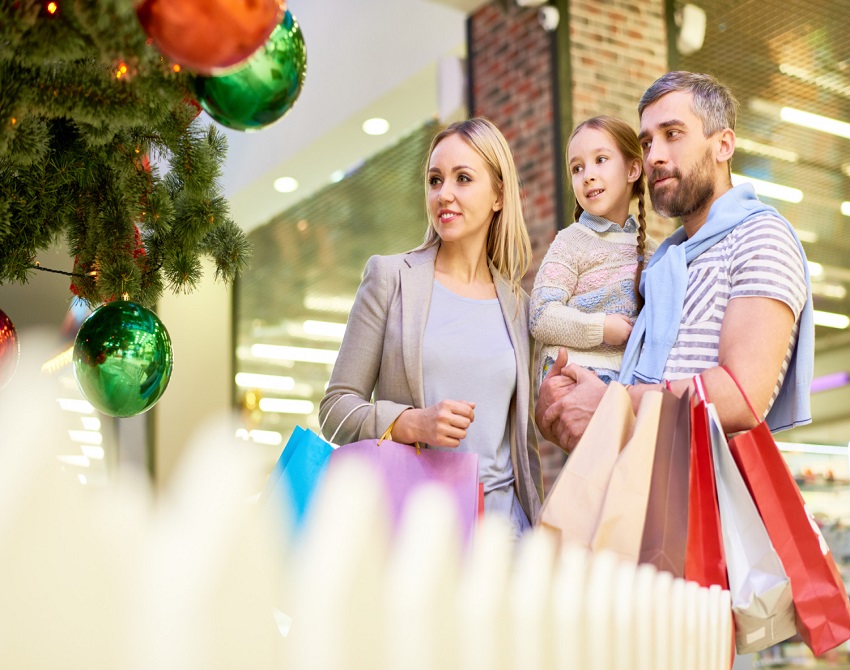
{"points": [[9, 349], [209, 36]]}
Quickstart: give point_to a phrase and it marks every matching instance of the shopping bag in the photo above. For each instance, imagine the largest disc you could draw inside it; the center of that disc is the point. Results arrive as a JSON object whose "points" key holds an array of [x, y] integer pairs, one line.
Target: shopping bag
{"points": [[823, 610], [704, 559], [665, 530], [404, 467], [572, 509], [298, 472], [762, 606], [623, 513]]}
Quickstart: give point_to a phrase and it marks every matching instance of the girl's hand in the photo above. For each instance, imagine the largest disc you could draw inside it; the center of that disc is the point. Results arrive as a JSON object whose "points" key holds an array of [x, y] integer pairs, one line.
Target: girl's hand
{"points": [[440, 425], [616, 330]]}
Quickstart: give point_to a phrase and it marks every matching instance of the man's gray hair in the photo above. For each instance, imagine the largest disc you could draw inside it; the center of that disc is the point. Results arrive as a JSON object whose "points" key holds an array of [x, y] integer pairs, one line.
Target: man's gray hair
{"points": [[713, 102]]}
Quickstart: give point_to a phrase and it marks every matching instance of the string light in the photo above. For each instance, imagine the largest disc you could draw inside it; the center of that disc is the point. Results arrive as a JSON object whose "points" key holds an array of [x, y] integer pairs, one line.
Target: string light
{"points": [[52, 7], [175, 67], [122, 70]]}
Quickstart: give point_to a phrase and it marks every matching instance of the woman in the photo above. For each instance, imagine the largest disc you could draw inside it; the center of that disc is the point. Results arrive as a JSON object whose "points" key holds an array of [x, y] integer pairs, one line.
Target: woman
{"points": [[439, 335]]}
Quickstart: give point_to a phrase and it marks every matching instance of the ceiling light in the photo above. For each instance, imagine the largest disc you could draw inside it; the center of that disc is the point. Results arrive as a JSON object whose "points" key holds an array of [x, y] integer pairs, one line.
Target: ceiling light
{"points": [[806, 236], [286, 406], [78, 460], [285, 184], [324, 329], [768, 189], [812, 448], [75, 405], [831, 320], [845, 208], [265, 382], [271, 437], [328, 303], [90, 422], [92, 451], [815, 122], [86, 436], [759, 149], [846, 169], [337, 176], [836, 291], [300, 354], [376, 126], [815, 269]]}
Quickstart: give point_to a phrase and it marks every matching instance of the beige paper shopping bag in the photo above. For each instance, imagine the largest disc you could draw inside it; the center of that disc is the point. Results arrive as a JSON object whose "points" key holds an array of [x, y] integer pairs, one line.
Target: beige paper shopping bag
{"points": [[621, 520], [572, 508]]}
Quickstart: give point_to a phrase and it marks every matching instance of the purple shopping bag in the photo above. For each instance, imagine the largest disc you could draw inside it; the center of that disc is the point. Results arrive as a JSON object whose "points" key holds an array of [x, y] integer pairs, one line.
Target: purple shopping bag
{"points": [[404, 467]]}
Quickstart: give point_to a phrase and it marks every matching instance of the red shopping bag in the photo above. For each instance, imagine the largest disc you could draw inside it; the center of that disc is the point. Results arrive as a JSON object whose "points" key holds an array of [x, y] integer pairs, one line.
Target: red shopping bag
{"points": [[705, 562], [823, 610]]}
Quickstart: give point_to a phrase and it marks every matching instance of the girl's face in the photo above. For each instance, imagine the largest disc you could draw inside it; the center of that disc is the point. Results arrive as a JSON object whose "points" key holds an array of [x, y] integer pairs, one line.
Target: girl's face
{"points": [[602, 177], [461, 195]]}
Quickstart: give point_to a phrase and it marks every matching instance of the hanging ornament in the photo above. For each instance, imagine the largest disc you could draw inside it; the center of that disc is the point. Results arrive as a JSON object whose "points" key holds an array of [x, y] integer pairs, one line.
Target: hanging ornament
{"points": [[122, 358], [10, 350], [264, 88], [209, 35]]}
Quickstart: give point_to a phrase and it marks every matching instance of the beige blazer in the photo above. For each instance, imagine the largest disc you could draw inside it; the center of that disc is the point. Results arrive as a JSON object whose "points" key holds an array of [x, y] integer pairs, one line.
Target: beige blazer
{"points": [[378, 373]]}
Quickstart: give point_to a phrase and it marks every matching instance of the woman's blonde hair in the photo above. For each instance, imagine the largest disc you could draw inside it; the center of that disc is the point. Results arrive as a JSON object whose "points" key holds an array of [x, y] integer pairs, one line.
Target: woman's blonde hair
{"points": [[508, 244]]}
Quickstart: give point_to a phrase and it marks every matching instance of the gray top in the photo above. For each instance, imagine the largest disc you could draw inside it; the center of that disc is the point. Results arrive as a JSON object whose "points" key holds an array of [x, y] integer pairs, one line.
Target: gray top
{"points": [[467, 355]]}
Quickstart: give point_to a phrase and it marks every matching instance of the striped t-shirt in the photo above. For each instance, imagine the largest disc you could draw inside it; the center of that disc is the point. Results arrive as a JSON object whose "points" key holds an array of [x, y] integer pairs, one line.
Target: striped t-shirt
{"points": [[759, 258]]}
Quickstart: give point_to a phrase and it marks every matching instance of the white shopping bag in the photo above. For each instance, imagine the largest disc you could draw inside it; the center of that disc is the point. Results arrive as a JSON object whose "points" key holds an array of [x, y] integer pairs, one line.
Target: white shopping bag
{"points": [[761, 591]]}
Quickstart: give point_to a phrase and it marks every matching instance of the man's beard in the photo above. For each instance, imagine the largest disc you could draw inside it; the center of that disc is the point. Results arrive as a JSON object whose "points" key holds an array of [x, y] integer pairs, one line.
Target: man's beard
{"points": [[691, 193]]}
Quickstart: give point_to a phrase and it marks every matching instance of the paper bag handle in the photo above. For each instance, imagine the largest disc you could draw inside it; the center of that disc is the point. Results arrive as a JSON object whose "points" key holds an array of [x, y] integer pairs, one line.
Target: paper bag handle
{"points": [[743, 393], [388, 435]]}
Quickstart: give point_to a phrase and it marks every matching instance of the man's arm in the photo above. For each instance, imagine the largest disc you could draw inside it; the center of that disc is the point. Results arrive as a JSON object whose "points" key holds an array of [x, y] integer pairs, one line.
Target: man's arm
{"points": [[754, 338]]}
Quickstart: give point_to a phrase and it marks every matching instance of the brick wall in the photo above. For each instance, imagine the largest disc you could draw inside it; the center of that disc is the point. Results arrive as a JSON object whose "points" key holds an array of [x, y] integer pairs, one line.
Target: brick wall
{"points": [[618, 48]]}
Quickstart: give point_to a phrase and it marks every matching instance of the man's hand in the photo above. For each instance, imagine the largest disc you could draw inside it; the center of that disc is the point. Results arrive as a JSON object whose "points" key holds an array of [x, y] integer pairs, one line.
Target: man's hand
{"points": [[569, 415], [552, 389], [616, 329]]}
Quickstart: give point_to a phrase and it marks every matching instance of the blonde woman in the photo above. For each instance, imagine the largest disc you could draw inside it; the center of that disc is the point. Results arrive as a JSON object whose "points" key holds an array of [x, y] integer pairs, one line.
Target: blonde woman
{"points": [[437, 342]]}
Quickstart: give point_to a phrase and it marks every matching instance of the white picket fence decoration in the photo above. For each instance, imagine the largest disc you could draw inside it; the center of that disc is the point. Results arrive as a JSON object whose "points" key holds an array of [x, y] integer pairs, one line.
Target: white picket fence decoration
{"points": [[203, 577]]}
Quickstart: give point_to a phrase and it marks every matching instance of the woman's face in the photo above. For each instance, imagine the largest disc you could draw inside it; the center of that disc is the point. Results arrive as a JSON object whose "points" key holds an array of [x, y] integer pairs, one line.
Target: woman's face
{"points": [[461, 195]]}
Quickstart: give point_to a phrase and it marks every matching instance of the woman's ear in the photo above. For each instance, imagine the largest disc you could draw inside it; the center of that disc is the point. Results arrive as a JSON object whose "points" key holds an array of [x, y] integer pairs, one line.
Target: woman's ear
{"points": [[635, 169], [499, 199]]}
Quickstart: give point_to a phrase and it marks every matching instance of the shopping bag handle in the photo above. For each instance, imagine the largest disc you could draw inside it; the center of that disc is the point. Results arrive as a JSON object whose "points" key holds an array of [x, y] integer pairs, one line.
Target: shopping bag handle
{"points": [[327, 416], [388, 435], [741, 389]]}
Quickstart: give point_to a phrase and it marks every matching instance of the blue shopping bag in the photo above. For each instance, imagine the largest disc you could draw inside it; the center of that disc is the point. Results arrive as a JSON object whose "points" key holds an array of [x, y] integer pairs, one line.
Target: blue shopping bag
{"points": [[300, 468]]}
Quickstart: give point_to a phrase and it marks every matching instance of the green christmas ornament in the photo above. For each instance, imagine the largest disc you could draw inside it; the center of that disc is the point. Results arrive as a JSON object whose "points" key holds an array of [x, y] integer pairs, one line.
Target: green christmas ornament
{"points": [[265, 88], [122, 358]]}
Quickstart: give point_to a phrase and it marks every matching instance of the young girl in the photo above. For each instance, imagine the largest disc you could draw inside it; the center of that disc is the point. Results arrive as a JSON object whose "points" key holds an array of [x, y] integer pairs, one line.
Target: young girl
{"points": [[585, 294]]}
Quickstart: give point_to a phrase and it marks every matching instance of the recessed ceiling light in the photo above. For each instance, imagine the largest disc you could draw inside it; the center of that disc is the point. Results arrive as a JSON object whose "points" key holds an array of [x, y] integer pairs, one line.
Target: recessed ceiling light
{"points": [[285, 184], [337, 175], [376, 126], [815, 122], [845, 208], [768, 189]]}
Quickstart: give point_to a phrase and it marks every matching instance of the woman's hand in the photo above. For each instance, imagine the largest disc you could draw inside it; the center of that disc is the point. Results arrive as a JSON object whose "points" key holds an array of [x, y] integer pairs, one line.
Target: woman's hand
{"points": [[440, 425], [616, 329]]}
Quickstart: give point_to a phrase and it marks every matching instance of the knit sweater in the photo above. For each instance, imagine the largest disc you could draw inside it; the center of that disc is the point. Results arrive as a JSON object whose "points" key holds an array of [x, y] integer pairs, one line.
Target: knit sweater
{"points": [[588, 272]]}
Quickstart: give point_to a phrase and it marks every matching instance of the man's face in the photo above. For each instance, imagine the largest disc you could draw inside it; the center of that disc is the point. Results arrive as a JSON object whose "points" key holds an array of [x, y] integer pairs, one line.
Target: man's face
{"points": [[677, 157]]}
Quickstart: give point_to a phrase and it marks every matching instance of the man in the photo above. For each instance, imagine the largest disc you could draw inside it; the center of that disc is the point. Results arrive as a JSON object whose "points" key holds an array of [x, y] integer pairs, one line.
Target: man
{"points": [[730, 287]]}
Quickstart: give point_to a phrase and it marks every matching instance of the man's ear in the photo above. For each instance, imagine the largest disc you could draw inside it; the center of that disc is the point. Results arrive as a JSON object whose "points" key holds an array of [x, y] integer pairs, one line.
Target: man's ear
{"points": [[635, 169], [726, 145]]}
